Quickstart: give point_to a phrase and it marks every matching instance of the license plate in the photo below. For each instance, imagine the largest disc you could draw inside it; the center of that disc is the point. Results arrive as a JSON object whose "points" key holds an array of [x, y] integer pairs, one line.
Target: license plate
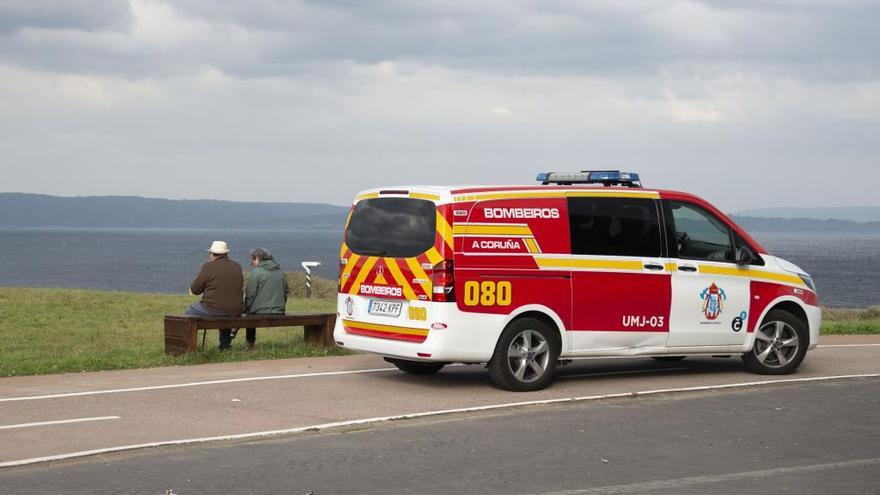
{"points": [[385, 308]]}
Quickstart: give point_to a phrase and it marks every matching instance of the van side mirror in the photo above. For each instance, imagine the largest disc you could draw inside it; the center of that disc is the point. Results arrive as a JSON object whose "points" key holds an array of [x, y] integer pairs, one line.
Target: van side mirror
{"points": [[744, 256]]}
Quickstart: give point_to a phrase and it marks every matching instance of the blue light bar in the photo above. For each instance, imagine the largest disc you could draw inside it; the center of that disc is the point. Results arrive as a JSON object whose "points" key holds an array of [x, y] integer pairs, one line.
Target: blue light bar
{"points": [[612, 176], [605, 177]]}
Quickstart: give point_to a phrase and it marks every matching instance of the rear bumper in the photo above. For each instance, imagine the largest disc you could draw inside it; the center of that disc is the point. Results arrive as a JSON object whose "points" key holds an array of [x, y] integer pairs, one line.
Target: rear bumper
{"points": [[449, 334]]}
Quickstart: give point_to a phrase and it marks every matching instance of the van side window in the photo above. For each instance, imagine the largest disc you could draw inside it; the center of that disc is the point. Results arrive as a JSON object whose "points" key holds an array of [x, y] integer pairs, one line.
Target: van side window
{"points": [[614, 226], [699, 235]]}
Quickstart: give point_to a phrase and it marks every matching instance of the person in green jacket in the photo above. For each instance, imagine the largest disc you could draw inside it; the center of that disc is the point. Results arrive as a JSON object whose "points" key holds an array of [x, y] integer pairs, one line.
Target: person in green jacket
{"points": [[266, 290]]}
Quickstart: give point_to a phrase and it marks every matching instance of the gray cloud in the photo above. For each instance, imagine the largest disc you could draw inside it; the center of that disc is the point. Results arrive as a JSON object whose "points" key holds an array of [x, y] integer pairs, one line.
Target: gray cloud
{"points": [[265, 37], [746, 105], [85, 15]]}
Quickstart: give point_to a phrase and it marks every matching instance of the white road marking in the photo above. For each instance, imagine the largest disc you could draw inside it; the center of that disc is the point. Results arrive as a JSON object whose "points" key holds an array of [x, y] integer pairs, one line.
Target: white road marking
{"points": [[58, 422], [191, 384], [257, 378], [848, 345], [652, 486], [382, 419], [627, 372], [284, 377]]}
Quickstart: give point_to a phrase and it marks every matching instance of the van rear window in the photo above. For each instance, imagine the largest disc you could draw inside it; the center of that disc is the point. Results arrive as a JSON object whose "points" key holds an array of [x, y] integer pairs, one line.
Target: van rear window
{"points": [[392, 227]]}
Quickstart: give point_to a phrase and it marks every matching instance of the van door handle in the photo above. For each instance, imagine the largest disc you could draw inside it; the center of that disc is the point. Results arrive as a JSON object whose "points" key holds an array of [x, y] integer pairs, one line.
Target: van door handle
{"points": [[687, 268], [652, 266]]}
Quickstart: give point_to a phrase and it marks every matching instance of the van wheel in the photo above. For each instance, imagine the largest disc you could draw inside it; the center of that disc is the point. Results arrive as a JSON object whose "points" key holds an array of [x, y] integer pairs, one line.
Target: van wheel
{"points": [[415, 367], [525, 357], [780, 345], [669, 359]]}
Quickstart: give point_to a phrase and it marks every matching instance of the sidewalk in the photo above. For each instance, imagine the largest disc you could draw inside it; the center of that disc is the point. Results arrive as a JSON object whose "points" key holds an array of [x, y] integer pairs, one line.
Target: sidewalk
{"points": [[148, 377]]}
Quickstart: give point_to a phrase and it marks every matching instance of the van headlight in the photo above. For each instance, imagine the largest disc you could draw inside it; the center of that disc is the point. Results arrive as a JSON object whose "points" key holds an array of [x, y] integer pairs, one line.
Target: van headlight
{"points": [[808, 280]]}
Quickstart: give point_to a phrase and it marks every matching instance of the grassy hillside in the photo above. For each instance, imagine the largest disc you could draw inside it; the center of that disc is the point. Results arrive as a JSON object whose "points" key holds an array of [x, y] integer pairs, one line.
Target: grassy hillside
{"points": [[56, 330]]}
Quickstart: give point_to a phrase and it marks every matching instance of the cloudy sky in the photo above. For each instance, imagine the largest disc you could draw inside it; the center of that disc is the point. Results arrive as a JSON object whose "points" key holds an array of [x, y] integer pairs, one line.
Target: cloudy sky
{"points": [[749, 104]]}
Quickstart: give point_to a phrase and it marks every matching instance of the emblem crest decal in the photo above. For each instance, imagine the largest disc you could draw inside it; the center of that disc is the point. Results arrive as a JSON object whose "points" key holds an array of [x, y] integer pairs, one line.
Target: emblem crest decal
{"points": [[713, 301]]}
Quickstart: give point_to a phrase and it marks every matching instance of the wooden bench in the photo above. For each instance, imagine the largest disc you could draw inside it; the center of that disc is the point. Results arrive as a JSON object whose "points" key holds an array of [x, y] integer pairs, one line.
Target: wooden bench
{"points": [[181, 332]]}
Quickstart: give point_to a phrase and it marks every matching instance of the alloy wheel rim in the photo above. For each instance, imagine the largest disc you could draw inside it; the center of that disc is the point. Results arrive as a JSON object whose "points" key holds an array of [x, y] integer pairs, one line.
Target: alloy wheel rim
{"points": [[528, 356], [776, 344]]}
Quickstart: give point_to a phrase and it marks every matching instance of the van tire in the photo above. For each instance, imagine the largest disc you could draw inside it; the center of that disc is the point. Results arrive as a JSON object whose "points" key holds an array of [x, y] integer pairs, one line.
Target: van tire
{"points": [[525, 356], [780, 344], [415, 367]]}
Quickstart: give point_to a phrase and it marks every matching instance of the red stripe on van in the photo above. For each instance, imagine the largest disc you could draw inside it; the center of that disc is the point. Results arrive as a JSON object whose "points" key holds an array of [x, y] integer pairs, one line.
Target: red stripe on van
{"points": [[385, 335]]}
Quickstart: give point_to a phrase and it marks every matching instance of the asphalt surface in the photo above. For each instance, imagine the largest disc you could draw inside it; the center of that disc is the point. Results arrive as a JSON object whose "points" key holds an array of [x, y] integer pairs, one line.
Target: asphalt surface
{"points": [[55, 417], [819, 437]]}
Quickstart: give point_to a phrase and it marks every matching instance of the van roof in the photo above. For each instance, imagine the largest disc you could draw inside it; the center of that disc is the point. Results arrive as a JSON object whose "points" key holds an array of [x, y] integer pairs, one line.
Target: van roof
{"points": [[447, 194]]}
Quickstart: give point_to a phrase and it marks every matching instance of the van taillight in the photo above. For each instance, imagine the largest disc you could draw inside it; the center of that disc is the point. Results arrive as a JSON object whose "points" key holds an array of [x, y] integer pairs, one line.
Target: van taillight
{"points": [[443, 281]]}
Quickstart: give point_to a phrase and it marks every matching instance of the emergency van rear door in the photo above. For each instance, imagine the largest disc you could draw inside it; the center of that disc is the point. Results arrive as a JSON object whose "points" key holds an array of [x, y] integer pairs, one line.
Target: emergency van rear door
{"points": [[390, 243]]}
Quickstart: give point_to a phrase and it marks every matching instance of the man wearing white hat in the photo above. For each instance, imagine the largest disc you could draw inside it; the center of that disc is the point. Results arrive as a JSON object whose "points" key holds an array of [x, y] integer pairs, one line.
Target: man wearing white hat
{"points": [[220, 284]]}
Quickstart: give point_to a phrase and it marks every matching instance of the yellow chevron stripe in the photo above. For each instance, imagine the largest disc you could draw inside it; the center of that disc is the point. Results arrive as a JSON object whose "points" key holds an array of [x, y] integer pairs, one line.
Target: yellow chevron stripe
{"points": [[752, 273], [394, 268], [418, 272], [589, 264], [724, 270], [499, 229], [779, 277], [559, 194], [366, 196], [444, 229], [532, 245], [671, 267], [362, 275], [385, 328], [346, 273], [608, 264], [612, 194], [434, 256], [430, 197]]}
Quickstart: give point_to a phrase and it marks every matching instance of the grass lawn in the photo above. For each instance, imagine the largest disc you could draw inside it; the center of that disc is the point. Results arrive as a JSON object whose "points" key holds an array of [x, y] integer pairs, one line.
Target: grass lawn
{"points": [[58, 330], [851, 321]]}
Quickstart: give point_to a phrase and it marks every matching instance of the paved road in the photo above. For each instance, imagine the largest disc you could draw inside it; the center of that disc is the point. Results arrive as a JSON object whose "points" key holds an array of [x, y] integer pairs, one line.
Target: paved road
{"points": [[51, 417], [804, 438]]}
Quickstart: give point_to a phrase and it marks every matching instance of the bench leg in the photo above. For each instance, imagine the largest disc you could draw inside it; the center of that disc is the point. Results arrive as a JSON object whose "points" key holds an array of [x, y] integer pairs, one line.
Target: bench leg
{"points": [[328, 332], [180, 336], [193, 337], [313, 334], [320, 334]]}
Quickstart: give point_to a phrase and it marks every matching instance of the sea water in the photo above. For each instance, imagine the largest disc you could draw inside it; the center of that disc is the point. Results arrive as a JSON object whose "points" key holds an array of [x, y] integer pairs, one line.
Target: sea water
{"points": [[846, 267]]}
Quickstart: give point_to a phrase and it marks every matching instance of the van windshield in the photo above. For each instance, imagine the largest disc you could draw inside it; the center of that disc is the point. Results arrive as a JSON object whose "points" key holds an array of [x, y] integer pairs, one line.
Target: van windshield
{"points": [[392, 227]]}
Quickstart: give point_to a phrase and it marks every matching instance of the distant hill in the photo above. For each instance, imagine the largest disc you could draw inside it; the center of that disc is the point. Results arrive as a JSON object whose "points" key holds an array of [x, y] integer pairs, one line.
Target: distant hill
{"points": [[762, 224], [853, 214], [21, 210], [18, 210]]}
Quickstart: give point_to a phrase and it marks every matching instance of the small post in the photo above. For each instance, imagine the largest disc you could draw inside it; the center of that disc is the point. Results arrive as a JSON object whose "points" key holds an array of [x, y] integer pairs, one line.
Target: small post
{"points": [[308, 265]]}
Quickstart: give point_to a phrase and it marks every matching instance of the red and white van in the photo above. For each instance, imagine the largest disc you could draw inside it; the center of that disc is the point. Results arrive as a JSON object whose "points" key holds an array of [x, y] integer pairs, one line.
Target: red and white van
{"points": [[587, 264]]}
